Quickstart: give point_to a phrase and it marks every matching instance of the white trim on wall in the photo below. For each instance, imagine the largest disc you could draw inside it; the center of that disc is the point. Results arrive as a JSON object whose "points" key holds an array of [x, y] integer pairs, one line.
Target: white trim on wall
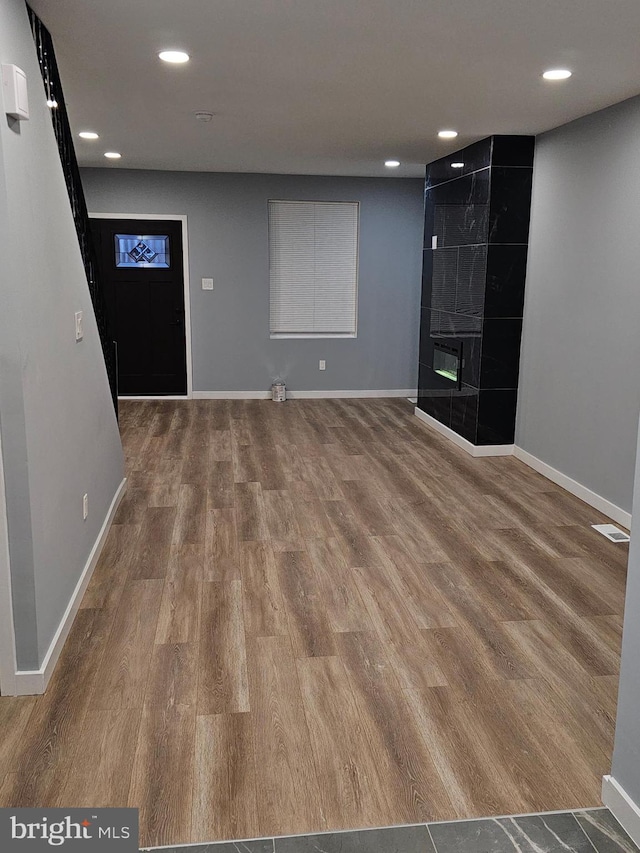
{"points": [[232, 395], [158, 397], [32, 681], [301, 395], [172, 217], [8, 662], [594, 500], [625, 811]]}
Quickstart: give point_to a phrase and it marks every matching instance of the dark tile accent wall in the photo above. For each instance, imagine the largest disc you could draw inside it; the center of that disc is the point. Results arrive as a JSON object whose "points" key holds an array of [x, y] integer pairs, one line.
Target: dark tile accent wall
{"points": [[473, 284]]}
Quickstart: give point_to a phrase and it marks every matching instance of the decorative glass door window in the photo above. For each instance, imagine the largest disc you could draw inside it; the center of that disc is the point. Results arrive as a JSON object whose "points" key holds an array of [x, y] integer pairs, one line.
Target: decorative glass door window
{"points": [[135, 250]]}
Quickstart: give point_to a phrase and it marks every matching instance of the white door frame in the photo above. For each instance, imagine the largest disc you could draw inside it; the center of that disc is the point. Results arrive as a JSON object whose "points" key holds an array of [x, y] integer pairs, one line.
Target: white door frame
{"points": [[178, 217], [8, 660]]}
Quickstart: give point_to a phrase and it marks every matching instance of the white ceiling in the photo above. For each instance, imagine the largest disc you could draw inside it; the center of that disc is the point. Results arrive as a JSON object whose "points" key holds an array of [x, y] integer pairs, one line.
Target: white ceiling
{"points": [[331, 86]]}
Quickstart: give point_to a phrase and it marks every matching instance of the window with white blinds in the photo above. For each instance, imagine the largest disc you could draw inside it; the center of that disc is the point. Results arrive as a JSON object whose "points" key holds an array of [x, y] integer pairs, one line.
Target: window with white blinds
{"points": [[313, 268]]}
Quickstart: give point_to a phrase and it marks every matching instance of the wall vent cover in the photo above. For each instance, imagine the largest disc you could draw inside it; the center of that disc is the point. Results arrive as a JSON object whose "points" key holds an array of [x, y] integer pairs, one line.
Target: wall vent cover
{"points": [[612, 532]]}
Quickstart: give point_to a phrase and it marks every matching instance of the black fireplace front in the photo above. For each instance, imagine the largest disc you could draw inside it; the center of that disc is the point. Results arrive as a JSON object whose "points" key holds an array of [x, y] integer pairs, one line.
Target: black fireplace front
{"points": [[447, 361]]}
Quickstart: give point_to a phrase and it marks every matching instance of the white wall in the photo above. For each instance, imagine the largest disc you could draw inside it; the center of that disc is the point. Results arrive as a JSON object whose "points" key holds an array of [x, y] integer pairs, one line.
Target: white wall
{"points": [[59, 433], [579, 378], [626, 753]]}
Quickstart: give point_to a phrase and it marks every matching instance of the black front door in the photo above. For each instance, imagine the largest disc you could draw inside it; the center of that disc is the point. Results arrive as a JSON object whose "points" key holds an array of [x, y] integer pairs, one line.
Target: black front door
{"points": [[141, 266]]}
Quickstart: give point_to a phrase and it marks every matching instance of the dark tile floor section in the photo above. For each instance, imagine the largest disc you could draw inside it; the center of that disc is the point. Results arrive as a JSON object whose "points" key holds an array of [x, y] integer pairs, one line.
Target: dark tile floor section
{"points": [[398, 839], [551, 833], [563, 832], [606, 834]]}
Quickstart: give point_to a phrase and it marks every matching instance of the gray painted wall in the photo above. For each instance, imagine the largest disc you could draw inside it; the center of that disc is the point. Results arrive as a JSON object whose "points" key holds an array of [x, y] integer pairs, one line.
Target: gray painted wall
{"points": [[59, 433], [579, 380], [228, 240], [626, 752]]}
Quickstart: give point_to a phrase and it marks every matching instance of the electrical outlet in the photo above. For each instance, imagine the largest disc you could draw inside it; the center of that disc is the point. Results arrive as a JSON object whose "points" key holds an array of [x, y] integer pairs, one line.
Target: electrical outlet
{"points": [[207, 284], [85, 507], [79, 329], [322, 364]]}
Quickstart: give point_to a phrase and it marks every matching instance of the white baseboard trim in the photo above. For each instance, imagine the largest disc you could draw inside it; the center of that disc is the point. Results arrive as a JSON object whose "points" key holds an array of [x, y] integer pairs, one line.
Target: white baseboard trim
{"points": [[603, 505], [160, 397], [472, 449], [33, 681], [302, 395], [232, 395], [353, 395], [596, 501], [625, 811]]}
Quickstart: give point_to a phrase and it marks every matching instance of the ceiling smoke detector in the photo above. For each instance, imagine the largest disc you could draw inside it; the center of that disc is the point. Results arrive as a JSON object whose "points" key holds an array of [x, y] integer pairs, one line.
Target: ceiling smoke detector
{"points": [[204, 116]]}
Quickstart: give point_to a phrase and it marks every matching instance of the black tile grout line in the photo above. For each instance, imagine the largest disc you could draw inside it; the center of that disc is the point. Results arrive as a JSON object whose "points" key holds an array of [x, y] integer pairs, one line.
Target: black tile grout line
{"points": [[370, 829]]}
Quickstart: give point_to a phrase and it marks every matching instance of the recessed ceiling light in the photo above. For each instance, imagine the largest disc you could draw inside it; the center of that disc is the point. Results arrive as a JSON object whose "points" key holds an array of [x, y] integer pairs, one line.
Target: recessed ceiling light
{"points": [[447, 134], [557, 74], [175, 56], [457, 165], [112, 155], [88, 134], [392, 164]]}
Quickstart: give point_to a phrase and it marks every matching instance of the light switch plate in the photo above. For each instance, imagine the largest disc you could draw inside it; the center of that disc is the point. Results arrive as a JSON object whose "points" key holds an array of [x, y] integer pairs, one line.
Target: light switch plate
{"points": [[434, 241], [14, 92], [207, 284], [79, 328]]}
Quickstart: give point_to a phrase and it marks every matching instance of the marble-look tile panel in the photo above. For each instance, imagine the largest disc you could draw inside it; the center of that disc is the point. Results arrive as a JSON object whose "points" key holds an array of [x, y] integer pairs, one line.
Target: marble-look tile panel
{"points": [[471, 352], [466, 190], [444, 279], [604, 831], [398, 839], [497, 416], [510, 204], [549, 833], [500, 362], [513, 150], [464, 412], [506, 274], [590, 831], [449, 324], [427, 272], [435, 401], [470, 280], [426, 341], [475, 156]]}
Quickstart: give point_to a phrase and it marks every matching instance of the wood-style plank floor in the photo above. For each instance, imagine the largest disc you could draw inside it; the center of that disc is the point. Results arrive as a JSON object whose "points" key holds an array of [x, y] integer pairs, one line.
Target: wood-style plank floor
{"points": [[321, 615]]}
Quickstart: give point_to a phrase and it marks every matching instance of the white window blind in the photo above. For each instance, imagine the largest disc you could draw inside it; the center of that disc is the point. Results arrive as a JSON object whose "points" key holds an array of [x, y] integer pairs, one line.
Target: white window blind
{"points": [[313, 268]]}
